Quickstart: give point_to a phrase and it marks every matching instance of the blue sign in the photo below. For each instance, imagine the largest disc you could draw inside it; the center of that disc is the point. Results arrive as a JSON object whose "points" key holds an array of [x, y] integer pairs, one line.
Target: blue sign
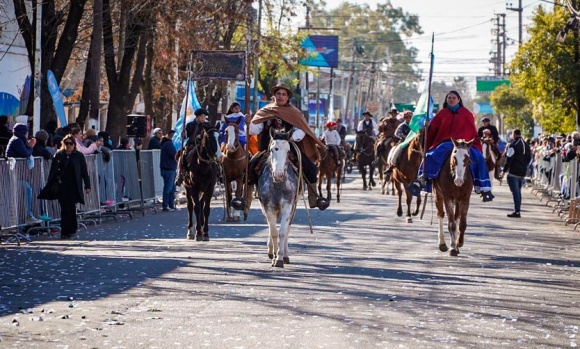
{"points": [[56, 98], [322, 51]]}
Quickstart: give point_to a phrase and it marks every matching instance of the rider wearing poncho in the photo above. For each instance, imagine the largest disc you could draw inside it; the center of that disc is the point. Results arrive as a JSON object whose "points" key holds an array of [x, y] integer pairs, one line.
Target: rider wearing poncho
{"points": [[457, 122], [234, 116], [280, 114]]}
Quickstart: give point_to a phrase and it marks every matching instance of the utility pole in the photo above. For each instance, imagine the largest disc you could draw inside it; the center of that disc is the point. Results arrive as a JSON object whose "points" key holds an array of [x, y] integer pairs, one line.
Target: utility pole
{"points": [[256, 61], [519, 10], [350, 81], [502, 34]]}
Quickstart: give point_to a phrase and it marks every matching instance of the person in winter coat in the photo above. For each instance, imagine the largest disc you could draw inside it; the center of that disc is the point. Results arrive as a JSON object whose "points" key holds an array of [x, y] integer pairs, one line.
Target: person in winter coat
{"points": [[518, 157], [70, 168]]}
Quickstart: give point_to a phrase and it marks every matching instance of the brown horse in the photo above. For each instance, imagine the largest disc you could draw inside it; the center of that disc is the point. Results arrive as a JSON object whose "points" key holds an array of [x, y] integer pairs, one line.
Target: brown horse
{"points": [[382, 164], [405, 172], [452, 191], [328, 168], [365, 157], [492, 158], [234, 165]]}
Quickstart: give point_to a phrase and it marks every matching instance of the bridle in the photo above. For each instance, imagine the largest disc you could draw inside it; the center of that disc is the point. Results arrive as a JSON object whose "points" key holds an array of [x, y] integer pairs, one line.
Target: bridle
{"points": [[201, 149], [453, 160]]}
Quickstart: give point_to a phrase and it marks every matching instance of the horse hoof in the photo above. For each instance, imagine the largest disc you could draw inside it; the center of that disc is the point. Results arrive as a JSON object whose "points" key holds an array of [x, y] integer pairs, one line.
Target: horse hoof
{"points": [[270, 255], [198, 238], [237, 219], [409, 220], [205, 238], [286, 260], [278, 263], [442, 247], [190, 236], [399, 213], [365, 187], [459, 244], [374, 184], [453, 252]]}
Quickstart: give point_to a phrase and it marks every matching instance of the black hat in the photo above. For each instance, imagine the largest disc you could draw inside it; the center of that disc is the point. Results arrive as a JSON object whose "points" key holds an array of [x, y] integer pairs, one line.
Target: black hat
{"points": [[368, 113], [201, 111], [394, 110]]}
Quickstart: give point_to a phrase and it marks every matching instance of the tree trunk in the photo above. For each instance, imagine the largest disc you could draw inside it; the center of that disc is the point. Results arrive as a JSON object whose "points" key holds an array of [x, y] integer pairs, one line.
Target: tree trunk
{"points": [[96, 50], [86, 94]]}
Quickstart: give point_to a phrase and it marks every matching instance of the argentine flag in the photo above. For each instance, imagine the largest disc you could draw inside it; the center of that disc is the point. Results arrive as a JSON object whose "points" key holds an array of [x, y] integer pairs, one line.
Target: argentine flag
{"points": [[192, 105]]}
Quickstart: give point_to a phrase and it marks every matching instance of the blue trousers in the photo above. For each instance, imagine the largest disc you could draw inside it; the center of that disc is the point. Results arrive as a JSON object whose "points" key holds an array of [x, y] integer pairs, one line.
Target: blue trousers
{"points": [[436, 157], [168, 188], [516, 183]]}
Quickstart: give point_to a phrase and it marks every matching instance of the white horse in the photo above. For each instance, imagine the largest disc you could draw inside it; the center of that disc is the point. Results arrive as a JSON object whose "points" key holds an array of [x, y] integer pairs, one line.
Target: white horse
{"points": [[278, 189]]}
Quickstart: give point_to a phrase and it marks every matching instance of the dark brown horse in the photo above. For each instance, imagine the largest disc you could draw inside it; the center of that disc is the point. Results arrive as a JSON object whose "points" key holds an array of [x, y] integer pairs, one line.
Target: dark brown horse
{"points": [[328, 168], [199, 182], [382, 163], [405, 173], [364, 157], [452, 190], [234, 164]]}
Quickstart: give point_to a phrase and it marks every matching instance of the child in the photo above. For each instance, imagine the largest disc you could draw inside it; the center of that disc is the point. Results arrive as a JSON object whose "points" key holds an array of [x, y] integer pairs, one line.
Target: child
{"points": [[332, 140], [235, 116]]}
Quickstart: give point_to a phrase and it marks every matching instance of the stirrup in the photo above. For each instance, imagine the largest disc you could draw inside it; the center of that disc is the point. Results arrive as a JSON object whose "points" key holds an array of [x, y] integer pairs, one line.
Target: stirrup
{"points": [[487, 196], [322, 203]]}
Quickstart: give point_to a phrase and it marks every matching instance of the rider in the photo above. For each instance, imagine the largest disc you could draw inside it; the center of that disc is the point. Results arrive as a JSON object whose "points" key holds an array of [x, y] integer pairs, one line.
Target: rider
{"points": [[457, 122], [332, 140], [280, 114], [387, 127], [368, 126], [193, 130], [399, 136], [490, 127], [234, 116]]}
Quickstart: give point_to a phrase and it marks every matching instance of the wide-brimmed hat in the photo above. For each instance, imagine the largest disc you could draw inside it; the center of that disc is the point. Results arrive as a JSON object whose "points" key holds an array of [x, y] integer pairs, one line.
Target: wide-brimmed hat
{"points": [[285, 87], [394, 110], [368, 113]]}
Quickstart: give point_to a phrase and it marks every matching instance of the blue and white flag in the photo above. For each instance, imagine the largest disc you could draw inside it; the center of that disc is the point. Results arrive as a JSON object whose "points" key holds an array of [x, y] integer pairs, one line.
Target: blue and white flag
{"points": [[192, 105], [56, 98]]}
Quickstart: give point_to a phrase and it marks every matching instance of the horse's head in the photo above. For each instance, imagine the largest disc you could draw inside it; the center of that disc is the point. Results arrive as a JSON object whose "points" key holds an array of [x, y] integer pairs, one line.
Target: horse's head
{"points": [[279, 149], [232, 131], [210, 142], [362, 139], [460, 160]]}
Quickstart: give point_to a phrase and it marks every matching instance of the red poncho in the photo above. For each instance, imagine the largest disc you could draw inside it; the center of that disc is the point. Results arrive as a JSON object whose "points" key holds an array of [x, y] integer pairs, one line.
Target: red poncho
{"points": [[447, 124]]}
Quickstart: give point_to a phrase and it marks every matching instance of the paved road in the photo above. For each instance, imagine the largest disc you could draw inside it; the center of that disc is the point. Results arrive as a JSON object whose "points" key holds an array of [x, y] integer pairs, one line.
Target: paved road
{"points": [[364, 279]]}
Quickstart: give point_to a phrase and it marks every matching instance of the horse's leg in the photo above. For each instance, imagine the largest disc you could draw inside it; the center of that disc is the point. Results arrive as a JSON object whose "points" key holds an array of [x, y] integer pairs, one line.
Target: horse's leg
{"points": [[363, 172], [338, 181], [320, 176], [206, 209], [400, 194], [417, 205], [452, 226], [189, 197], [198, 219], [409, 200], [273, 244], [228, 187], [371, 174], [463, 208], [282, 251], [329, 185], [440, 216], [239, 189]]}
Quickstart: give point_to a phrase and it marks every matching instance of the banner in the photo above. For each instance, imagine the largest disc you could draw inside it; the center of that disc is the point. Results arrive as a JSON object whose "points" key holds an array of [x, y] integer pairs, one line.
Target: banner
{"points": [[56, 98], [220, 65], [192, 105], [322, 51]]}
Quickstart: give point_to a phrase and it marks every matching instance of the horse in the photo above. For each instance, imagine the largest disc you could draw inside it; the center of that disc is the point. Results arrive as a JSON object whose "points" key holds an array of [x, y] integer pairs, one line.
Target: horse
{"points": [[279, 187], [365, 157], [234, 165], [382, 164], [199, 182], [452, 189], [327, 168], [491, 158], [405, 172]]}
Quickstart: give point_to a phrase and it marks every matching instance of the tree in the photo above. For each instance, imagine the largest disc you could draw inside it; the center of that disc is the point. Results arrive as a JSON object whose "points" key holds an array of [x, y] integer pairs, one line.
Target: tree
{"points": [[547, 73], [515, 107]]}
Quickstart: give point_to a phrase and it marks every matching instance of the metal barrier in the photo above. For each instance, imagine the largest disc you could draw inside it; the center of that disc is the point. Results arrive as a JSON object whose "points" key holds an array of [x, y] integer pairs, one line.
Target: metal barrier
{"points": [[9, 202], [150, 172], [126, 177], [92, 206]]}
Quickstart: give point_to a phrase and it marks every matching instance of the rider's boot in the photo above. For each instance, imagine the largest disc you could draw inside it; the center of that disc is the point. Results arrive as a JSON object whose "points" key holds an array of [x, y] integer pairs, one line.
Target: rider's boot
{"points": [[314, 200]]}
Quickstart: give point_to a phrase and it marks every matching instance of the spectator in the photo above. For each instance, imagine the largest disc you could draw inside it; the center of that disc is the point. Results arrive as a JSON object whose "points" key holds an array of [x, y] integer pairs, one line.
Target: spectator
{"points": [[155, 140], [20, 147], [106, 140], [89, 137], [5, 134], [40, 149], [168, 166], [124, 144], [70, 166], [78, 135], [518, 156]]}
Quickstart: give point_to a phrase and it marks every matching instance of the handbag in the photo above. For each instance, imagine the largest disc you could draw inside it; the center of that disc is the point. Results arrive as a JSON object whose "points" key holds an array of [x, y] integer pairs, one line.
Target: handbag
{"points": [[51, 189]]}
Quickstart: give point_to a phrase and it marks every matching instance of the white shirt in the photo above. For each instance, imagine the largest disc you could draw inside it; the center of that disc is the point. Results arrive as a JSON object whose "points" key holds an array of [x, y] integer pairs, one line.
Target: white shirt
{"points": [[331, 137], [297, 134], [360, 126]]}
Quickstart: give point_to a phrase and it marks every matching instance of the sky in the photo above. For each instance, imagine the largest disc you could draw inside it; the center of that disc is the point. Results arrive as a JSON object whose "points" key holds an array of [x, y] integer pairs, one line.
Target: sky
{"points": [[463, 33]]}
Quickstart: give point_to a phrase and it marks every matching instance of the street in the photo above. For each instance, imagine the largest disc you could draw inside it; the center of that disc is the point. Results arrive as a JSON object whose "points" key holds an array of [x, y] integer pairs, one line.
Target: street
{"points": [[364, 279]]}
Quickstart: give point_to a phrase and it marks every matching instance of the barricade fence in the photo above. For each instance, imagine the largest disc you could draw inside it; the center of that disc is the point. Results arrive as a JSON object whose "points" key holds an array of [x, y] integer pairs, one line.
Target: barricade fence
{"points": [[114, 183]]}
